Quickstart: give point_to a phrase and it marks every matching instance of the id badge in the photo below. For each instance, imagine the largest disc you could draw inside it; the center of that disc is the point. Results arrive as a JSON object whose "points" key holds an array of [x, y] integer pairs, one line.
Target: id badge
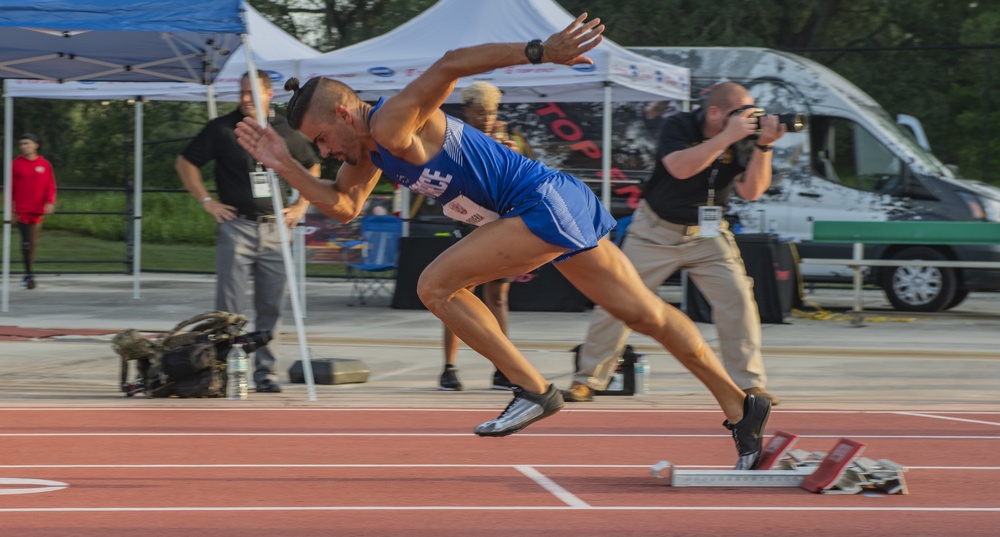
{"points": [[260, 185], [709, 218]]}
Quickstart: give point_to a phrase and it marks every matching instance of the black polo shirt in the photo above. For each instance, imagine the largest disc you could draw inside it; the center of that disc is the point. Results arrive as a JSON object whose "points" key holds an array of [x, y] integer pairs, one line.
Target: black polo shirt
{"points": [[217, 141], [677, 200]]}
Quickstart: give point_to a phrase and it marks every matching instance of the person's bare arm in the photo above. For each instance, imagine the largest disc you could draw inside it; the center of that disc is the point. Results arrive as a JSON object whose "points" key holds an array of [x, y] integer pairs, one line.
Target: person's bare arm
{"points": [[341, 199], [398, 125], [295, 212], [190, 176], [689, 162], [756, 179]]}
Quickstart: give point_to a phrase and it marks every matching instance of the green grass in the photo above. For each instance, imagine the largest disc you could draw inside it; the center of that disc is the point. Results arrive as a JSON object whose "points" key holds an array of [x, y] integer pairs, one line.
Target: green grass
{"points": [[61, 251], [177, 236]]}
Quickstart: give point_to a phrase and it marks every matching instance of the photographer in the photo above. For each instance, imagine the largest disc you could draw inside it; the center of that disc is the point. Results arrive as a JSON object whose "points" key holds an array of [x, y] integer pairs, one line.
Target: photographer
{"points": [[702, 157]]}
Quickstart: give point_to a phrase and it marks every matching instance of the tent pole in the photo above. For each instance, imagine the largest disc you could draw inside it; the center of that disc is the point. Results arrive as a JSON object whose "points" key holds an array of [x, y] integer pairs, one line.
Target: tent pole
{"points": [[213, 110], [286, 253], [8, 149], [137, 202], [606, 149]]}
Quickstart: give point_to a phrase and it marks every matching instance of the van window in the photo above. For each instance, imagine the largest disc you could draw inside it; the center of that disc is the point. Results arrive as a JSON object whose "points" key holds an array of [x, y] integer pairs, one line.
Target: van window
{"points": [[860, 161]]}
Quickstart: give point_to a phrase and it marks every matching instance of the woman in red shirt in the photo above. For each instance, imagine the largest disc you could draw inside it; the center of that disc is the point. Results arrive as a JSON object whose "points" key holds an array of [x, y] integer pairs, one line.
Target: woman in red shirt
{"points": [[33, 189]]}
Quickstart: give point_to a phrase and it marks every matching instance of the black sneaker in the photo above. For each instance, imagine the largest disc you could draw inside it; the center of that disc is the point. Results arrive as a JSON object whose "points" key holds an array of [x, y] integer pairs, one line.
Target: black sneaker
{"points": [[268, 386], [748, 433], [500, 381], [525, 409], [449, 380]]}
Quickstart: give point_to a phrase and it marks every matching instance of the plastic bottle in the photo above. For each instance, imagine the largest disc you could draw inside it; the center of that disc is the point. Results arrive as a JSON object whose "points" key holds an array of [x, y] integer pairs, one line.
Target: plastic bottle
{"points": [[642, 375], [237, 369]]}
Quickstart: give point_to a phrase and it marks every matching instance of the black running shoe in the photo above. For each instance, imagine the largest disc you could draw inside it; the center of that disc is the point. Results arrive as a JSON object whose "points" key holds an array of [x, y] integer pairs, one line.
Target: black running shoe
{"points": [[748, 433], [500, 381], [525, 409], [449, 380]]}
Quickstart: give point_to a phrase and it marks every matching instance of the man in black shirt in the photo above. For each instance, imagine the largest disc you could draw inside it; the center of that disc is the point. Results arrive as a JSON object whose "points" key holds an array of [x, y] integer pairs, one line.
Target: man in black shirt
{"points": [[247, 235], [679, 225]]}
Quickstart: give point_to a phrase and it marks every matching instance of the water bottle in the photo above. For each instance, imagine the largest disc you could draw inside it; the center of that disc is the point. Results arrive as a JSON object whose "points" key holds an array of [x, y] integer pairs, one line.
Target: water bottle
{"points": [[642, 375], [237, 368]]}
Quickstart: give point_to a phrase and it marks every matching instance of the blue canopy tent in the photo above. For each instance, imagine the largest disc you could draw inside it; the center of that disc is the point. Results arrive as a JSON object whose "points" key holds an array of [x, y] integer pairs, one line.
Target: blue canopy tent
{"points": [[122, 41]]}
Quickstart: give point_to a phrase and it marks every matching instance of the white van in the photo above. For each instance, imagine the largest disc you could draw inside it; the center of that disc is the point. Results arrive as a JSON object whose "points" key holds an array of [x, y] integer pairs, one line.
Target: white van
{"points": [[852, 162]]}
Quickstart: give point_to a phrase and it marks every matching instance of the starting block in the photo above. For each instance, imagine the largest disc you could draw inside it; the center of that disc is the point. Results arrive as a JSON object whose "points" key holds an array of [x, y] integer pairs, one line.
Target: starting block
{"points": [[843, 471]]}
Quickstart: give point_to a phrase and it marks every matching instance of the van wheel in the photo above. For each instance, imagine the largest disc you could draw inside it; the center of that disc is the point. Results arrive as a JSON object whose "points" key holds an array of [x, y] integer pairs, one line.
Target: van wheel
{"points": [[960, 296], [924, 289]]}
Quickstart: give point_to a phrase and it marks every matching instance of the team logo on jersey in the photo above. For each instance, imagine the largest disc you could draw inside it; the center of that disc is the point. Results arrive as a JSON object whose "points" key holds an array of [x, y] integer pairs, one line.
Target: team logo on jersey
{"points": [[39, 169]]}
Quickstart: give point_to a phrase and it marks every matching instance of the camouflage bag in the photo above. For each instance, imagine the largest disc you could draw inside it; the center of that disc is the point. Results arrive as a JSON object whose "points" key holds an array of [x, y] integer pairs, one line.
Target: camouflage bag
{"points": [[187, 361]]}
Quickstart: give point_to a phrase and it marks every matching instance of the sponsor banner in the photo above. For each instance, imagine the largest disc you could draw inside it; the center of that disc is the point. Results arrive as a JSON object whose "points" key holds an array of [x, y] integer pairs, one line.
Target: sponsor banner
{"points": [[658, 78]]}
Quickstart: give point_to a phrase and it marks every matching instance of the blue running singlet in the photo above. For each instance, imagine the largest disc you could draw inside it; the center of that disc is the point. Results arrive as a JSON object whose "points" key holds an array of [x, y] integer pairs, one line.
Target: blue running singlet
{"points": [[477, 180]]}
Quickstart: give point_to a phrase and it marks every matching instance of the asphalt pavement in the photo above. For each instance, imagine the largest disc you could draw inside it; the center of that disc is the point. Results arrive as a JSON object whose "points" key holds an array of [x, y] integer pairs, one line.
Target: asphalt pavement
{"points": [[816, 359]]}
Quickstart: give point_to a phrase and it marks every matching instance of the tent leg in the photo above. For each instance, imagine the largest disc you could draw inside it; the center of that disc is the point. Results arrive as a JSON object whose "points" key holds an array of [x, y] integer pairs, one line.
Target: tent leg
{"points": [[8, 149], [137, 203], [606, 148]]}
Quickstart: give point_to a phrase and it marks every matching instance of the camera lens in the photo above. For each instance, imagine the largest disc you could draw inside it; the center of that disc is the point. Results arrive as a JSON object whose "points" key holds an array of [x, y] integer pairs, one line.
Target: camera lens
{"points": [[794, 122]]}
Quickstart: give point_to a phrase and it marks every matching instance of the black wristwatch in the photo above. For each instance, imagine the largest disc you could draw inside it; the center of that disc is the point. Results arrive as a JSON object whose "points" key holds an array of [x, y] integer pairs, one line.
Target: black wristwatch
{"points": [[764, 148], [534, 51]]}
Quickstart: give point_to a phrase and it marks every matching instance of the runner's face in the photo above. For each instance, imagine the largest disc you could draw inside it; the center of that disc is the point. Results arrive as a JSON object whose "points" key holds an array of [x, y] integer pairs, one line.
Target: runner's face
{"points": [[334, 139]]}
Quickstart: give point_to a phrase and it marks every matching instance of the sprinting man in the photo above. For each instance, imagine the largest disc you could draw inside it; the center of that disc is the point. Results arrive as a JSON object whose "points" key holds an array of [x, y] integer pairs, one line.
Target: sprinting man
{"points": [[528, 215]]}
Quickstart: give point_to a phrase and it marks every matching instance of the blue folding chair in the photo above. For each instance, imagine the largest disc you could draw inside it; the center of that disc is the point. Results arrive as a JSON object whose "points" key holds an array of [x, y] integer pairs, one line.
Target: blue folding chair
{"points": [[622, 228], [376, 273]]}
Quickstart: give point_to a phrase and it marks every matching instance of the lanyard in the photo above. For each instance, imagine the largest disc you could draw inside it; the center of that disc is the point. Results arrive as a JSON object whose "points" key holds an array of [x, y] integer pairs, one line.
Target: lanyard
{"points": [[711, 180]]}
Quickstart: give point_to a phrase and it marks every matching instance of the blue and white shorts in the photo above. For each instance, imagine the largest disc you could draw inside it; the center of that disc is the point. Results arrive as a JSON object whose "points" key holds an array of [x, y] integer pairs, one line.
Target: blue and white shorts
{"points": [[564, 211]]}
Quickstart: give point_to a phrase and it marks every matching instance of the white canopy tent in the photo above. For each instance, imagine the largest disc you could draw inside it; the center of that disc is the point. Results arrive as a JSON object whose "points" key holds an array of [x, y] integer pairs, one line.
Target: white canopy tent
{"points": [[383, 65], [124, 41], [281, 57]]}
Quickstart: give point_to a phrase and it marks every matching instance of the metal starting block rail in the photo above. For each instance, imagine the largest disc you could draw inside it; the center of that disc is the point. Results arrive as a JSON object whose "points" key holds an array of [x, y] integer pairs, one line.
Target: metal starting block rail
{"points": [[843, 471]]}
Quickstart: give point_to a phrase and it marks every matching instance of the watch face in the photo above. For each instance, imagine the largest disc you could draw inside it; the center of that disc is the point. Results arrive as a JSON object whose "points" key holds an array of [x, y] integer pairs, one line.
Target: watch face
{"points": [[534, 51]]}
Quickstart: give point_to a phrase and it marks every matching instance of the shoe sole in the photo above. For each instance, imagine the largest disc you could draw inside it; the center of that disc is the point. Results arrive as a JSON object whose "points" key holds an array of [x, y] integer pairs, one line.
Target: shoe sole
{"points": [[509, 432], [499, 387], [443, 389]]}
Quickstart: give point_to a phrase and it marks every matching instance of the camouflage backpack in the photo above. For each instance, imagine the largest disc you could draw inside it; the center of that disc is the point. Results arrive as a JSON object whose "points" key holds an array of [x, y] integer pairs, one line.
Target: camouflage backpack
{"points": [[188, 361]]}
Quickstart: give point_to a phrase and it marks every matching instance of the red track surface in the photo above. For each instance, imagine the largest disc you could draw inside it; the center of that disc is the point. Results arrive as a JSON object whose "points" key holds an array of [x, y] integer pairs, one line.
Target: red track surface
{"points": [[416, 472]]}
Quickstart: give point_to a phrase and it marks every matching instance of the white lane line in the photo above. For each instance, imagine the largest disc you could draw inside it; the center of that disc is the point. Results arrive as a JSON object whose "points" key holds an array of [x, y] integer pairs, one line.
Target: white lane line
{"points": [[469, 409], [948, 418], [727, 508], [433, 466], [552, 487], [29, 486], [470, 435]]}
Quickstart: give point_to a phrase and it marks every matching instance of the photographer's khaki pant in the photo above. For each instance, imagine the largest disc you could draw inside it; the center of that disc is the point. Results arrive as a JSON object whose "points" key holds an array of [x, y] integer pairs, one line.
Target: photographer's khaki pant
{"points": [[659, 248]]}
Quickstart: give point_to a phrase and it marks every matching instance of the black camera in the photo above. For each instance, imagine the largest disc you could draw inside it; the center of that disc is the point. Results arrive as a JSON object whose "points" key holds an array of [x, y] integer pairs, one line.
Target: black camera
{"points": [[792, 121], [253, 340]]}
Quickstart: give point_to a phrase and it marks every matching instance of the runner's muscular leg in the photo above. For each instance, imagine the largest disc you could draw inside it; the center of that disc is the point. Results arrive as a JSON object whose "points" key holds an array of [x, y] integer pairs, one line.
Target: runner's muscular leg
{"points": [[500, 249], [608, 278]]}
